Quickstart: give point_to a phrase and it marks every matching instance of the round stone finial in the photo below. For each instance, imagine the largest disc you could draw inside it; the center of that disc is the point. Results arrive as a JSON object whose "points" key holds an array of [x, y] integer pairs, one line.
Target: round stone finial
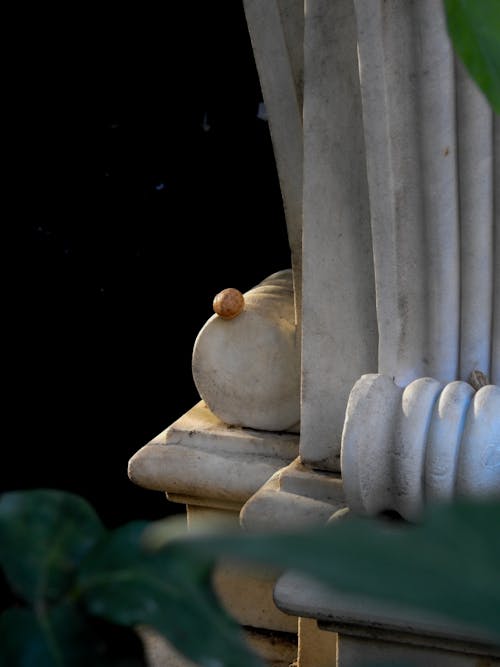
{"points": [[229, 303]]}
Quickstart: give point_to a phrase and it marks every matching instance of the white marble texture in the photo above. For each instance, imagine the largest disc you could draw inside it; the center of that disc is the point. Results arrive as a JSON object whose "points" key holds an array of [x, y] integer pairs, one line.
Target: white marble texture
{"points": [[339, 328], [430, 160], [443, 440], [429, 154], [403, 448], [199, 460], [247, 369], [294, 496], [408, 103], [495, 339], [276, 30], [478, 468], [399, 250], [475, 171], [367, 478]]}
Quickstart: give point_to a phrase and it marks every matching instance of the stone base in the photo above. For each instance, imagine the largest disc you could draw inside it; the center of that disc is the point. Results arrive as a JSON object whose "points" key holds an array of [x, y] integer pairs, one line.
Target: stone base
{"points": [[213, 469], [361, 652], [295, 496], [245, 592], [374, 634], [317, 648], [199, 460]]}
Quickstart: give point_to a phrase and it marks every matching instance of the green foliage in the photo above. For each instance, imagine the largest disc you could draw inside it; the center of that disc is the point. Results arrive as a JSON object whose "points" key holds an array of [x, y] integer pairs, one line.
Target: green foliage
{"points": [[58, 557], [474, 28], [52, 635], [448, 565], [45, 536], [145, 574], [169, 591], [63, 635], [53, 531]]}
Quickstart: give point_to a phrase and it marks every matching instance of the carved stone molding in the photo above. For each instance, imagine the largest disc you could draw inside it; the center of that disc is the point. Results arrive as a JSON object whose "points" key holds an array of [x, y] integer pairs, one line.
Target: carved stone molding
{"points": [[428, 442]]}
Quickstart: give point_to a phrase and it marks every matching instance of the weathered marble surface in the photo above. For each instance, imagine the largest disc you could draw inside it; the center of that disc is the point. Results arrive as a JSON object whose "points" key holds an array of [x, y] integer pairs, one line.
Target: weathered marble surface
{"points": [[200, 460], [429, 156], [339, 327], [399, 249], [247, 369], [294, 496], [402, 448], [276, 30], [357, 615]]}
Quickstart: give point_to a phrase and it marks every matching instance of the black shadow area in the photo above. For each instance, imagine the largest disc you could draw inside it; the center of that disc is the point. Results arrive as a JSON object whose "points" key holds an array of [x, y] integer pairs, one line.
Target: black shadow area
{"points": [[148, 183]]}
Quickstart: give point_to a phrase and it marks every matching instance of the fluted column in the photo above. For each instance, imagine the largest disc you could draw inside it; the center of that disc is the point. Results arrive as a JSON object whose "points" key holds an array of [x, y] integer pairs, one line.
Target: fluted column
{"points": [[339, 334], [495, 338], [407, 86], [475, 173], [276, 30]]}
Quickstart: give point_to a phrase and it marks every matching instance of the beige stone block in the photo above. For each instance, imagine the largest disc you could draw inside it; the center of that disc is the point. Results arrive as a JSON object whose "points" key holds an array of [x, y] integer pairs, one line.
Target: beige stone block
{"points": [[245, 592], [317, 648], [200, 519]]}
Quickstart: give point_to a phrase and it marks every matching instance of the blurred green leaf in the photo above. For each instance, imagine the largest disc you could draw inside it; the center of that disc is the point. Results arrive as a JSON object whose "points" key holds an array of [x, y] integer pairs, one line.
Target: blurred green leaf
{"points": [[23, 641], [123, 583], [448, 565], [474, 28], [56, 637], [44, 535]]}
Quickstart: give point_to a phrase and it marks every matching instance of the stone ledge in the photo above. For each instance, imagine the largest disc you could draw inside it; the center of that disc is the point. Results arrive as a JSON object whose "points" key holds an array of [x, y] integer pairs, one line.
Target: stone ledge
{"points": [[199, 456], [362, 617], [294, 496]]}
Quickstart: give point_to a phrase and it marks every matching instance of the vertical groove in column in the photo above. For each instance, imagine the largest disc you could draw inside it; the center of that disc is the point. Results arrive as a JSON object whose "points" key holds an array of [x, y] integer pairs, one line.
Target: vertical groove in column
{"points": [[389, 84], [410, 308], [377, 129], [475, 160], [495, 338], [292, 20], [407, 84], [339, 339], [438, 151], [274, 26]]}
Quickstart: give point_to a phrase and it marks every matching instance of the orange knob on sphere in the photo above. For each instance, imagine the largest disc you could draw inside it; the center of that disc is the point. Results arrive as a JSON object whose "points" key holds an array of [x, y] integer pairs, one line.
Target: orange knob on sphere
{"points": [[229, 303]]}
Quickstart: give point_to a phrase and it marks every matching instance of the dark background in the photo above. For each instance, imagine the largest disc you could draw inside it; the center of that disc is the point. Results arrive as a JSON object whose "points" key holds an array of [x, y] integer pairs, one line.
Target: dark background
{"points": [[147, 184]]}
